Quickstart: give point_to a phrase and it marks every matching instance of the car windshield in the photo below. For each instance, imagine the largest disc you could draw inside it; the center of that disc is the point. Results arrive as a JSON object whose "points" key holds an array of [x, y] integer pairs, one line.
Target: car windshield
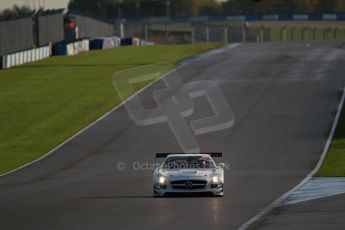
{"points": [[189, 162]]}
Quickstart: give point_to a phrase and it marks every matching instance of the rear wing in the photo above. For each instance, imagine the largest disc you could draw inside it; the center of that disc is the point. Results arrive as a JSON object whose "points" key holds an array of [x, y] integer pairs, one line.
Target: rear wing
{"points": [[165, 155]]}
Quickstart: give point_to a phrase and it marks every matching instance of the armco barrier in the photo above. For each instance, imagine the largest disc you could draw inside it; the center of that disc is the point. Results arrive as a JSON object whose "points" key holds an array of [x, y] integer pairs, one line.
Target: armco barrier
{"points": [[338, 16], [26, 56], [69, 49]]}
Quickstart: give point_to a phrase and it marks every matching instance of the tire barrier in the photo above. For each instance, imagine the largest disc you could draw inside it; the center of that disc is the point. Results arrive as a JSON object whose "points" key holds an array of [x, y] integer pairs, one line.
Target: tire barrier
{"points": [[70, 49], [105, 43], [23, 57], [130, 42]]}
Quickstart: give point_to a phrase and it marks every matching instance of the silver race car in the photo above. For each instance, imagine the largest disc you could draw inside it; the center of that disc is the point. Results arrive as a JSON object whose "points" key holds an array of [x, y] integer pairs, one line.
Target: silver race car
{"points": [[188, 173]]}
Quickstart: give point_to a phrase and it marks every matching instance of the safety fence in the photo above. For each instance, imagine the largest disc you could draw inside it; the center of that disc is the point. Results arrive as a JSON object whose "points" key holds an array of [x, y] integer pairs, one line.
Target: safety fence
{"points": [[258, 17], [260, 32], [47, 30], [231, 31], [46, 27], [50, 27], [89, 27], [70, 34], [16, 35]]}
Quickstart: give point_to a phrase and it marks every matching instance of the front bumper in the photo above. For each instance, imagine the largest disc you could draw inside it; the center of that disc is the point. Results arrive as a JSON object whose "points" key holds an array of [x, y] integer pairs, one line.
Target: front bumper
{"points": [[214, 189]]}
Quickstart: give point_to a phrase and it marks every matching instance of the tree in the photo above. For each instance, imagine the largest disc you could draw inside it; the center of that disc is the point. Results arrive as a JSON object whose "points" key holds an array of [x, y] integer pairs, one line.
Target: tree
{"points": [[147, 8], [157, 8], [210, 7], [16, 11]]}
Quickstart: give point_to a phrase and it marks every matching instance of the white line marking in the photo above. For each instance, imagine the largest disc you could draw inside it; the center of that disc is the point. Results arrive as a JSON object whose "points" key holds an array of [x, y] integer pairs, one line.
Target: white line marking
{"points": [[104, 116], [209, 54], [317, 187], [281, 199]]}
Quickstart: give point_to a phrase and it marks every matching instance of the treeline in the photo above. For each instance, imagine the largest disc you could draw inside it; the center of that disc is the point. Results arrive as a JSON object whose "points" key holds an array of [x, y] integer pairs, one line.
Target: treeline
{"points": [[16, 11], [283, 6], [146, 8], [178, 8], [159, 8]]}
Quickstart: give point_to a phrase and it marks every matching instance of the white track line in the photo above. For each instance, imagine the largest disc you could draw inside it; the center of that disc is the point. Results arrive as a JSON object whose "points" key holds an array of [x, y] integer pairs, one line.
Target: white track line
{"points": [[281, 199], [109, 112]]}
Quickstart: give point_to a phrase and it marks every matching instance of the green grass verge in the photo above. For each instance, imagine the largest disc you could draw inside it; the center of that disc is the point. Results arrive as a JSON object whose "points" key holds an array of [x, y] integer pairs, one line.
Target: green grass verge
{"points": [[44, 103], [334, 164]]}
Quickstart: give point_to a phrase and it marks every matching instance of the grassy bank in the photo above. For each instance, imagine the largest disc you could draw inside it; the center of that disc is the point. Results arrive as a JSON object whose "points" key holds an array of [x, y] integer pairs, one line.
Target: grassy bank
{"points": [[334, 164], [44, 103]]}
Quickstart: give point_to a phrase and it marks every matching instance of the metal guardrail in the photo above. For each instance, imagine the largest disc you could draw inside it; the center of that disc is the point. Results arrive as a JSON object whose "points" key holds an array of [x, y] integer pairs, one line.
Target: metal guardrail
{"points": [[230, 31], [257, 17]]}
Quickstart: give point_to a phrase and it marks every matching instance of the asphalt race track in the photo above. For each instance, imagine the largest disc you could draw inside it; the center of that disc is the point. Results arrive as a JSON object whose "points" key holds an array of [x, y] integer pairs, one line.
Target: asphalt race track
{"points": [[284, 97], [319, 214]]}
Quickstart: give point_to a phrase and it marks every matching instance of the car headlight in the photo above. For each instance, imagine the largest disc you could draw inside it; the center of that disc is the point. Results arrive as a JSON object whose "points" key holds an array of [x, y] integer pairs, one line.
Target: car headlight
{"points": [[215, 180], [161, 180]]}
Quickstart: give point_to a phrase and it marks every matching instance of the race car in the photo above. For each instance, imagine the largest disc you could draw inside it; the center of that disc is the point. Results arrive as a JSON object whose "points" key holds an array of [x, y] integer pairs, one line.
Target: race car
{"points": [[188, 173]]}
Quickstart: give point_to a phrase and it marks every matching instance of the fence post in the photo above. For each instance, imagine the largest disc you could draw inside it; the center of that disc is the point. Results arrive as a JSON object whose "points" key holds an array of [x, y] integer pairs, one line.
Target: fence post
{"points": [[262, 33], [226, 41], [305, 35], [167, 32], [324, 33], [146, 32], [335, 30], [207, 34], [244, 34], [302, 33], [283, 34], [314, 33], [328, 33], [122, 30], [193, 35]]}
